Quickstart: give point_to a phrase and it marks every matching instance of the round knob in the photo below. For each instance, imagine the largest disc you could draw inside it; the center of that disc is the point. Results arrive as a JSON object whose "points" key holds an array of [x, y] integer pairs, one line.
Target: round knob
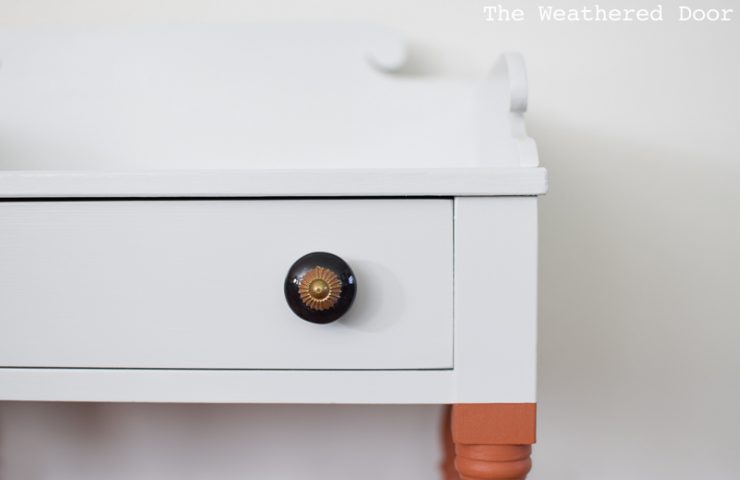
{"points": [[320, 287]]}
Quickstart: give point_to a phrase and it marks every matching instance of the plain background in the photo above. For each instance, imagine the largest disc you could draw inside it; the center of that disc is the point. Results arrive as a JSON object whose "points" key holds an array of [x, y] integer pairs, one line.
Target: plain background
{"points": [[640, 234]]}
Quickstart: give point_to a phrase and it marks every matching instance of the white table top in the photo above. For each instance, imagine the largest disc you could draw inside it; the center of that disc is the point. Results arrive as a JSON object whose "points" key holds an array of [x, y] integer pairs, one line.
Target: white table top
{"points": [[252, 111]]}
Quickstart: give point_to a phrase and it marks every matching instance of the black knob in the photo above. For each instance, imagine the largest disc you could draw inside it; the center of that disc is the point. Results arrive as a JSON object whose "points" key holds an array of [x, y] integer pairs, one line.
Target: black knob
{"points": [[320, 287]]}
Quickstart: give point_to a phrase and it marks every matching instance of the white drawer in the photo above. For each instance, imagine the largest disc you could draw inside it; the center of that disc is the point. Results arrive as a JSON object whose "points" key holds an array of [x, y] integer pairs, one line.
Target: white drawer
{"points": [[196, 284]]}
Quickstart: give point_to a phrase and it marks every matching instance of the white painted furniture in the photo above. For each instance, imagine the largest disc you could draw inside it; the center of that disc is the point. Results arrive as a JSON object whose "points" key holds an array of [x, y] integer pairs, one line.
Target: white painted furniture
{"points": [[157, 186]]}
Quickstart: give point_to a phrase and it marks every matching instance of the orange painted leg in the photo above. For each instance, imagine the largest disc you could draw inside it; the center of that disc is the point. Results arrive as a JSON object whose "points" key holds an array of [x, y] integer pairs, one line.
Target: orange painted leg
{"points": [[493, 441], [448, 454]]}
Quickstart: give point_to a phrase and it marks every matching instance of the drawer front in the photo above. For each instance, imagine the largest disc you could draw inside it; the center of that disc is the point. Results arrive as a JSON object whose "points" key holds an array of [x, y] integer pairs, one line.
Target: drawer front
{"points": [[199, 284]]}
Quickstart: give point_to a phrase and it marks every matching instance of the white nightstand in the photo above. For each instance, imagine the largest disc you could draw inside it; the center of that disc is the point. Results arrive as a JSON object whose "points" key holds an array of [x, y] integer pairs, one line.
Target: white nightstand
{"points": [[159, 185]]}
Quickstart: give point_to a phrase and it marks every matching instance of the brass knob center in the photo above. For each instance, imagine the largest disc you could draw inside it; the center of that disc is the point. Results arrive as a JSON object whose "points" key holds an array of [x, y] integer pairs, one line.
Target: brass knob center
{"points": [[320, 289]]}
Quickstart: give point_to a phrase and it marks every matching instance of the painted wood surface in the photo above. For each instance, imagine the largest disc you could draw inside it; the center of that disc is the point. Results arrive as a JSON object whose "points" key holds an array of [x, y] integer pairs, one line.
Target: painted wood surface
{"points": [[230, 386], [199, 284], [276, 183], [162, 300], [494, 352], [493, 462], [493, 441], [247, 98], [496, 299]]}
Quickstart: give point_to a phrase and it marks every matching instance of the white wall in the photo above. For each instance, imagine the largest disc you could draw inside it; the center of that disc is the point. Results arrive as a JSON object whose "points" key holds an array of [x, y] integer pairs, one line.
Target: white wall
{"points": [[640, 313]]}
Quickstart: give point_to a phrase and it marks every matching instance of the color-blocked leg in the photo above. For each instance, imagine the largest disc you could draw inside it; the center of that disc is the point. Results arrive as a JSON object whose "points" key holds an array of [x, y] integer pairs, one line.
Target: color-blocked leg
{"points": [[448, 447], [493, 441]]}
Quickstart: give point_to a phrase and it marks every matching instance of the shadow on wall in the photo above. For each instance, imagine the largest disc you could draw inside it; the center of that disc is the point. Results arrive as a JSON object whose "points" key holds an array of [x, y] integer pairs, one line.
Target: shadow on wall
{"points": [[639, 363]]}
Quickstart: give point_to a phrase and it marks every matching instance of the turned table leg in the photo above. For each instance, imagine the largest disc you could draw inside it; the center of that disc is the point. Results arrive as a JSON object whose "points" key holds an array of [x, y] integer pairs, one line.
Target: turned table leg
{"points": [[448, 447], [493, 441]]}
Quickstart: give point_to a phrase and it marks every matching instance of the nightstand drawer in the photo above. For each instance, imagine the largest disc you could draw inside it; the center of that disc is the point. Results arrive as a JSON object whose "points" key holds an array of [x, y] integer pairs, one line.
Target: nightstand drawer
{"points": [[199, 283]]}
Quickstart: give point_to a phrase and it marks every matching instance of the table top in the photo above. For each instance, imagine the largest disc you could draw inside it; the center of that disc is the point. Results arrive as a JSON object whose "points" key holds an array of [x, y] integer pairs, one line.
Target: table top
{"points": [[276, 183], [253, 111]]}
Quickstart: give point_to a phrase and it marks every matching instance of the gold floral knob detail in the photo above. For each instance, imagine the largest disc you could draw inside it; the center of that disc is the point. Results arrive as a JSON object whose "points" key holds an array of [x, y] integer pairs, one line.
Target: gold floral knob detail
{"points": [[320, 289]]}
